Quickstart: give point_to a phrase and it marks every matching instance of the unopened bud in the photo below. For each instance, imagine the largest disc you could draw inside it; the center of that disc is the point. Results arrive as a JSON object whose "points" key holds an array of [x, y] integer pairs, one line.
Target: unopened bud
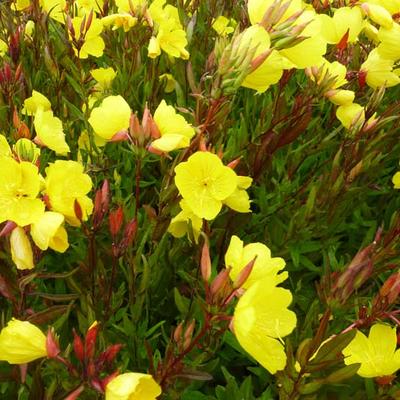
{"points": [[110, 353], [205, 262], [75, 394], [178, 333], [234, 163], [129, 235], [78, 210], [90, 340], [244, 274], [115, 219], [120, 136], [220, 281], [52, 346], [78, 347]]}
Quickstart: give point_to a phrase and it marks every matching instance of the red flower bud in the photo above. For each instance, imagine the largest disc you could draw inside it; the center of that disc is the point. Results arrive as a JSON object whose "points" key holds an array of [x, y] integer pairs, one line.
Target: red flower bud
{"points": [[205, 262], [115, 219], [74, 395], [90, 340], [52, 346], [78, 347], [109, 354], [78, 210]]}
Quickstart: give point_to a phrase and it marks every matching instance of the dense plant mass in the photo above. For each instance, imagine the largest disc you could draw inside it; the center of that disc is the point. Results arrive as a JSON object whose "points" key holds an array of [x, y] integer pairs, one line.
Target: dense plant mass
{"points": [[198, 199]]}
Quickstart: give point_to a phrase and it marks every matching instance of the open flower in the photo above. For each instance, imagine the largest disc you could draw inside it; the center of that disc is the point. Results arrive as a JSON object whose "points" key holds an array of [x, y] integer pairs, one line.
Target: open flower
{"points": [[261, 320], [66, 183], [174, 130], [50, 132], [112, 116], [377, 354], [205, 182], [121, 20], [132, 386], [49, 231], [21, 342], [180, 224], [19, 188], [93, 43], [238, 256], [104, 77], [35, 102], [239, 200]]}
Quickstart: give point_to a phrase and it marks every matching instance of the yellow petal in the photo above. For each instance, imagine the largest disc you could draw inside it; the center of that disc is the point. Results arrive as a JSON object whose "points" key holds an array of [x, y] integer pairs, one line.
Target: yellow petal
{"points": [[112, 116], [50, 131], [132, 386], [21, 250], [49, 232], [21, 342]]}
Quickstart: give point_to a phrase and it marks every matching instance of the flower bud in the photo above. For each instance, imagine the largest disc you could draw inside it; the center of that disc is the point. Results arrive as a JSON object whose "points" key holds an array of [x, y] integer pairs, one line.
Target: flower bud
{"points": [[90, 340], [21, 342], [205, 262], [78, 347], [52, 345], [21, 249]]}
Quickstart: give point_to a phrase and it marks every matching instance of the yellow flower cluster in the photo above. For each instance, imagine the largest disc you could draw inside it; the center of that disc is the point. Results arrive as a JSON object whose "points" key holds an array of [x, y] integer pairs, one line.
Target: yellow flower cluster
{"points": [[39, 204]]}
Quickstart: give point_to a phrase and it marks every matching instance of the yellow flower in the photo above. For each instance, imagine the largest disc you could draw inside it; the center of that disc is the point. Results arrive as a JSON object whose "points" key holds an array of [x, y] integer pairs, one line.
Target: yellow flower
{"points": [[261, 320], [5, 149], [154, 49], [19, 187], [132, 386], [377, 354], [104, 77], [314, 45], [169, 82], [21, 4], [204, 182], [55, 9], [50, 132], [379, 71], [111, 117], [49, 231], [393, 6], [93, 43], [390, 38], [378, 14], [172, 40], [350, 114], [124, 5], [175, 131], [396, 180], [35, 102], [180, 224], [239, 200], [170, 37], [222, 25], [238, 256], [125, 21], [21, 342], [66, 182], [21, 249], [271, 69], [345, 19], [85, 6], [3, 48], [340, 97]]}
